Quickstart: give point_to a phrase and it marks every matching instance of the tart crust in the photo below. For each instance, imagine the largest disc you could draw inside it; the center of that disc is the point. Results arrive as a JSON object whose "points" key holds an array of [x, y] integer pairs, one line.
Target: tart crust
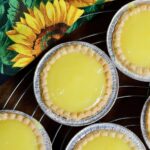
{"points": [[89, 137], [28, 122], [147, 119], [93, 109], [145, 71]]}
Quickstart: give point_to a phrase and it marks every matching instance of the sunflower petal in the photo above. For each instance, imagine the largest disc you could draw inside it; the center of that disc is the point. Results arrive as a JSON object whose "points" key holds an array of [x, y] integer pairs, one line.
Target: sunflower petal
{"points": [[39, 16], [70, 13], [11, 32], [23, 21], [23, 61], [32, 23], [17, 57], [63, 10], [67, 6], [37, 50], [21, 49], [81, 3], [90, 1], [43, 10], [73, 14], [50, 12], [25, 30], [57, 11], [31, 12], [20, 39], [77, 15]]}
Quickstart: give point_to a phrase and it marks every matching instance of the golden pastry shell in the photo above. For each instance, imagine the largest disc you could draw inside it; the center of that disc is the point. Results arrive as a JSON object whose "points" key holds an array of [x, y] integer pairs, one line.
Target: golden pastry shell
{"points": [[64, 51]]}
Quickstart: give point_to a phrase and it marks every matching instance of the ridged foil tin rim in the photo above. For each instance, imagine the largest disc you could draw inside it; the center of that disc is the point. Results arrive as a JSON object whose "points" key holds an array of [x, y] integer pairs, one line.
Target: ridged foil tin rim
{"points": [[110, 31], [143, 122], [105, 126], [39, 127], [87, 120]]}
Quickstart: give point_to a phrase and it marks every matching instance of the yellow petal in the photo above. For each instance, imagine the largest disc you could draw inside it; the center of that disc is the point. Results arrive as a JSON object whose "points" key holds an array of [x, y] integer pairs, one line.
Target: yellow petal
{"points": [[79, 3], [77, 15], [73, 14], [63, 9], [39, 16], [70, 14], [17, 57], [11, 32], [23, 21], [32, 23], [43, 10], [37, 49], [23, 61], [25, 30], [20, 39], [21, 49], [50, 12], [31, 12], [57, 11], [67, 6]]}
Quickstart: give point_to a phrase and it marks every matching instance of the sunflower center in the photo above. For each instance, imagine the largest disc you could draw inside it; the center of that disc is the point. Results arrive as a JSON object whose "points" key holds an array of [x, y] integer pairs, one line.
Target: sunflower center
{"points": [[49, 35]]}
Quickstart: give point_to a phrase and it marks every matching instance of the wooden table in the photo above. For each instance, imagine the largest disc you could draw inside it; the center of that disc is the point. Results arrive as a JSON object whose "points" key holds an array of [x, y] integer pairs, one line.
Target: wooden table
{"points": [[17, 93]]}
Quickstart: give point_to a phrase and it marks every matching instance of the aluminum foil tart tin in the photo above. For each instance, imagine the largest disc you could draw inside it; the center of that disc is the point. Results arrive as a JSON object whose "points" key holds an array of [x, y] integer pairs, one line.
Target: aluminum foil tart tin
{"points": [[143, 122], [87, 120], [105, 126], [41, 129], [109, 41]]}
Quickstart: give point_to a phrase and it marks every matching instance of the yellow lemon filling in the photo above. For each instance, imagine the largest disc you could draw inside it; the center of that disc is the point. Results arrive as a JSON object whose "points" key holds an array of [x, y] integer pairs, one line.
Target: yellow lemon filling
{"points": [[135, 38], [106, 143], [76, 82], [15, 135]]}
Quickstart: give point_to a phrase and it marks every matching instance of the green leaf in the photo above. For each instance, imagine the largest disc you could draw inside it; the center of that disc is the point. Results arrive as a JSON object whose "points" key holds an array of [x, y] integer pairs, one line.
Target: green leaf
{"points": [[74, 26], [32, 3], [3, 2], [37, 2], [100, 2], [29, 3], [14, 3], [7, 57], [7, 69], [94, 8], [17, 7], [1, 68], [2, 39], [2, 11], [11, 15]]}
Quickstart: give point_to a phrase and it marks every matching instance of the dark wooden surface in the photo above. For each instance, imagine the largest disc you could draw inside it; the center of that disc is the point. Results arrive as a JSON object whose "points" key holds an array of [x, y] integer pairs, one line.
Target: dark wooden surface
{"points": [[18, 91]]}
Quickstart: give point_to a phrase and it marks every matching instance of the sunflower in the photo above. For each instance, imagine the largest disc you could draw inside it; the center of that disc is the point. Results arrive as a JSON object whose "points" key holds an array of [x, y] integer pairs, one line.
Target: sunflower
{"points": [[39, 27], [81, 3], [84, 3]]}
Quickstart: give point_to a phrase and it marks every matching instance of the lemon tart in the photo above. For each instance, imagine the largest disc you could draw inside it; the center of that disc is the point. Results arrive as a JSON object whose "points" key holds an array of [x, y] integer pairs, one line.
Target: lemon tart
{"points": [[145, 122], [105, 139], [130, 40], [76, 82], [148, 120], [105, 136], [18, 132]]}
